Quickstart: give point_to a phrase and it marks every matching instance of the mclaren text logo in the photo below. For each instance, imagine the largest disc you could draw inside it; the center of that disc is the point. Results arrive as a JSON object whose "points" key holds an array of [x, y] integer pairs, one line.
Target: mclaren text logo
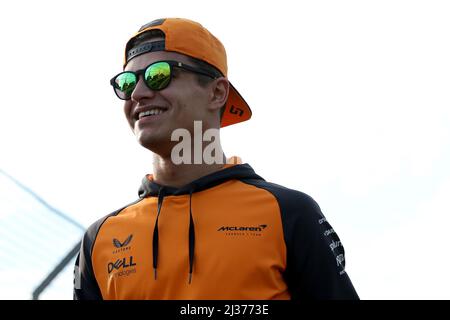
{"points": [[259, 228], [243, 230], [123, 266]]}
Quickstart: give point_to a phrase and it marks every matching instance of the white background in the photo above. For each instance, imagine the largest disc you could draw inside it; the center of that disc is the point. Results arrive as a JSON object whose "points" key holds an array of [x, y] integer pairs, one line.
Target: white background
{"points": [[350, 104]]}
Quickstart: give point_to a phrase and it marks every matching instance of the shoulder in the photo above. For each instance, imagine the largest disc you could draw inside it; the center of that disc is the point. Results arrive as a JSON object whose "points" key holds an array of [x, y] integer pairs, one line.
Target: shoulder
{"points": [[90, 234], [301, 216], [291, 202]]}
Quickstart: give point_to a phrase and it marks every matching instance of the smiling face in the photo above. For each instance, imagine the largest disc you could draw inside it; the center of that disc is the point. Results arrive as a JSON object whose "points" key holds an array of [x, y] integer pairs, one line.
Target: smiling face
{"points": [[154, 115]]}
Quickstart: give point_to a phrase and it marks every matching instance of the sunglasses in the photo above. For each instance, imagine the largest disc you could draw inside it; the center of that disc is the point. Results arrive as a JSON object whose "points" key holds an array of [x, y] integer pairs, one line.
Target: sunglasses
{"points": [[157, 76]]}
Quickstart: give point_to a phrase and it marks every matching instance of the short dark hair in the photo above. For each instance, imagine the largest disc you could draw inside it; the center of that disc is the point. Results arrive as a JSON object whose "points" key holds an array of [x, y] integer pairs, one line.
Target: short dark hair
{"points": [[201, 79]]}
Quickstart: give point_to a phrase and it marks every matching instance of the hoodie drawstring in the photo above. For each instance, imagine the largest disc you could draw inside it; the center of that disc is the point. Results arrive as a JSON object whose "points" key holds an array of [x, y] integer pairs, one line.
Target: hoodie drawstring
{"points": [[155, 232], [191, 238], [191, 235]]}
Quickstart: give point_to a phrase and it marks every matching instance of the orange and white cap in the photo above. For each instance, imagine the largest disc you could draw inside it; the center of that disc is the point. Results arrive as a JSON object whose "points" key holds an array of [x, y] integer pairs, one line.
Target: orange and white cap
{"points": [[192, 39]]}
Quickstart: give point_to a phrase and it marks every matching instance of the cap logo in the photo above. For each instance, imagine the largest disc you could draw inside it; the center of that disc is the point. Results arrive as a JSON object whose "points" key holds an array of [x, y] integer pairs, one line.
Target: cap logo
{"points": [[235, 110], [157, 22]]}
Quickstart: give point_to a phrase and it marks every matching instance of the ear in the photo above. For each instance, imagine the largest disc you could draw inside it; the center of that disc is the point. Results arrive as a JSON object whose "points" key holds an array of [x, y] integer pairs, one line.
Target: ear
{"points": [[220, 88]]}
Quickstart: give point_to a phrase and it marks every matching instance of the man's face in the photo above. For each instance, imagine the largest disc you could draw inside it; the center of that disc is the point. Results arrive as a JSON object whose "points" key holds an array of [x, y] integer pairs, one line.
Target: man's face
{"points": [[178, 105]]}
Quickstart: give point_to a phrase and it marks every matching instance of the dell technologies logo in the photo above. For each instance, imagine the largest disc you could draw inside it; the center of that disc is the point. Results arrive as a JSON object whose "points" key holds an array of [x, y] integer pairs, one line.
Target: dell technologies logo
{"points": [[123, 266]]}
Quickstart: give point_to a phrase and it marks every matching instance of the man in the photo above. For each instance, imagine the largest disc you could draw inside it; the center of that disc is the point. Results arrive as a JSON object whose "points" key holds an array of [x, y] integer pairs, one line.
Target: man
{"points": [[202, 228]]}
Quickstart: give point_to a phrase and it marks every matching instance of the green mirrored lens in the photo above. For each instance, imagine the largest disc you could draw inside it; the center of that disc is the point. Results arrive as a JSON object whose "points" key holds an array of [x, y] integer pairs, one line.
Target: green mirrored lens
{"points": [[157, 76], [126, 82]]}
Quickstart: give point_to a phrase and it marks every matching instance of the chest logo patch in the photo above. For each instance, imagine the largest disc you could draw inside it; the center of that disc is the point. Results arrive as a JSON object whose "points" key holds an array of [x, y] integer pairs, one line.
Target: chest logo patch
{"points": [[243, 230], [119, 244]]}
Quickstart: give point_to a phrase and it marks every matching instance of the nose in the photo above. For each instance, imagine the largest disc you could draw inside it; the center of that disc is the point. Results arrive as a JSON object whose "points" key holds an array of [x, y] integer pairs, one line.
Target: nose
{"points": [[141, 91]]}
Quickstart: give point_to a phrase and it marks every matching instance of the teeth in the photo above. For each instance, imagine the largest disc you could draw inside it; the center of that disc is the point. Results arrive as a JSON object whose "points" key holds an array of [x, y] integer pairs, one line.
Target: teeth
{"points": [[153, 112]]}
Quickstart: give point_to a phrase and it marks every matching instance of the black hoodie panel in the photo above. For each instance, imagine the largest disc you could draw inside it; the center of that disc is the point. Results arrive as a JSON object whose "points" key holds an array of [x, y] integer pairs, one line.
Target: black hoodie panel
{"points": [[315, 255]]}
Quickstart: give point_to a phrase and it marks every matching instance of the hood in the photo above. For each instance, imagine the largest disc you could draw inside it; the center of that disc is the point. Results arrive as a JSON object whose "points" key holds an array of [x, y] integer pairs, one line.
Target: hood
{"points": [[240, 171], [149, 188]]}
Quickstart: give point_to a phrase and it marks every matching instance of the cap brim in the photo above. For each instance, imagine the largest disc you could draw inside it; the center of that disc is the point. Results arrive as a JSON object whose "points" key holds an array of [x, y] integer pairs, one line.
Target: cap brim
{"points": [[236, 109]]}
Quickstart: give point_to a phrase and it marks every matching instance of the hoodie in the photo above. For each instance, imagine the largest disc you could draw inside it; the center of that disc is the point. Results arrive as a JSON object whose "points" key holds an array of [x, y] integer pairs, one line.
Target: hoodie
{"points": [[229, 235]]}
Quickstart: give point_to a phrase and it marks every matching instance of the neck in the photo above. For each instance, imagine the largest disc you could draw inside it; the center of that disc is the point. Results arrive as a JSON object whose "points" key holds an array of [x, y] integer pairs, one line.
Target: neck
{"points": [[166, 173]]}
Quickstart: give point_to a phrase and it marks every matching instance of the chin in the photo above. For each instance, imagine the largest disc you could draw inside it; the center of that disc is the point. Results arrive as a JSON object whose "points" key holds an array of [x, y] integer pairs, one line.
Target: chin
{"points": [[159, 145]]}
